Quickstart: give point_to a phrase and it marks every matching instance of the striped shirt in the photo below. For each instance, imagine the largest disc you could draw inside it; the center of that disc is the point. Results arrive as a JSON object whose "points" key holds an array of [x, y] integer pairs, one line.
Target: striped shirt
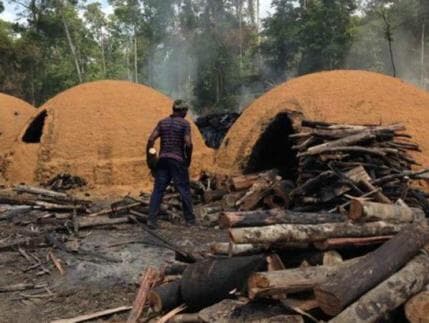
{"points": [[172, 131]]}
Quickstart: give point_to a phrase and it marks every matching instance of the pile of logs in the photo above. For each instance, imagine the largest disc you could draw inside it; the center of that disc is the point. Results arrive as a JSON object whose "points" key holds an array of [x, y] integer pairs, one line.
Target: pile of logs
{"points": [[243, 193], [337, 160], [332, 275]]}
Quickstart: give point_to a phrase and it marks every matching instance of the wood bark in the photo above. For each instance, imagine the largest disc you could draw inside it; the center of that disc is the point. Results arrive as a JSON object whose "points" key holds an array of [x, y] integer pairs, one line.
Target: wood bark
{"points": [[229, 201], [339, 243], [311, 233], [209, 281], [276, 216], [165, 297], [231, 249], [214, 195], [388, 295], [263, 284], [334, 295], [362, 210], [417, 308]]}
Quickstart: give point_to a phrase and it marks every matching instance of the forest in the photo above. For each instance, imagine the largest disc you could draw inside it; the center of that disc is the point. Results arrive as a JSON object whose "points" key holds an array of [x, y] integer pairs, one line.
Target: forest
{"points": [[218, 54]]}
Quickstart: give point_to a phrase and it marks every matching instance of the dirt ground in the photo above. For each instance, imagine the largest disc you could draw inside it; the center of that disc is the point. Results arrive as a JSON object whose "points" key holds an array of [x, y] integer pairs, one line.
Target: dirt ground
{"points": [[102, 274]]}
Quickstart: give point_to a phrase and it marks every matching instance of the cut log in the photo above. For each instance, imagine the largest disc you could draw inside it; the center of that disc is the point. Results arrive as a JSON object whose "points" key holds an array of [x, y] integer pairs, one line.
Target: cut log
{"points": [[362, 210], [379, 152], [335, 294], [209, 281], [311, 233], [244, 182], [254, 195], [276, 216], [417, 308], [40, 191], [388, 295], [332, 258], [148, 280], [231, 249], [215, 195], [378, 194], [352, 139], [86, 222], [229, 201], [264, 284], [165, 297], [339, 243]]}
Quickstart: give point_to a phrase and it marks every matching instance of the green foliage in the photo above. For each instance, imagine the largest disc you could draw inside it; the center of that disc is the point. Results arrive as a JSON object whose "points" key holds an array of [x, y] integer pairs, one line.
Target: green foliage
{"points": [[211, 52]]}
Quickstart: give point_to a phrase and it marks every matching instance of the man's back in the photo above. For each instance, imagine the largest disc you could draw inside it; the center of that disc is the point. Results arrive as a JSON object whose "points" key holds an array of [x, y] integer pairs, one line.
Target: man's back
{"points": [[172, 131]]}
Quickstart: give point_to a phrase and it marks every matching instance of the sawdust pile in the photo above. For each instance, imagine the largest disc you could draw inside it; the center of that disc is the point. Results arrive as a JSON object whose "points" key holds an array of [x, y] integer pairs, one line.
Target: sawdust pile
{"points": [[97, 131], [336, 96], [14, 114]]}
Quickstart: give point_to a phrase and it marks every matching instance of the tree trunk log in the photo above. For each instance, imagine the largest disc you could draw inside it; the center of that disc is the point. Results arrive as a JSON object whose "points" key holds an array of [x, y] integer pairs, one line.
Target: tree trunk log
{"points": [[231, 249], [390, 294], [334, 295], [276, 216], [165, 297], [209, 281], [339, 243], [215, 195], [362, 210], [311, 233], [417, 308], [295, 280]]}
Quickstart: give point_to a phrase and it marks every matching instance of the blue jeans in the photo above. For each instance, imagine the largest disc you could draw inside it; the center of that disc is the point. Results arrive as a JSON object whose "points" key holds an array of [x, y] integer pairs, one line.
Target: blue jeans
{"points": [[169, 169]]}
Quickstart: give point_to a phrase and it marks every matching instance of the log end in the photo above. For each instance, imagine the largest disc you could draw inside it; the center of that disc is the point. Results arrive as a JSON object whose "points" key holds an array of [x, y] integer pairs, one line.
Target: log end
{"points": [[356, 210], [329, 303], [417, 308]]}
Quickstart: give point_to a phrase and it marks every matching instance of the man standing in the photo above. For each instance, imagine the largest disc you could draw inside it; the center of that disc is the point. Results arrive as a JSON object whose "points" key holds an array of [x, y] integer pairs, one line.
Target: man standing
{"points": [[174, 159]]}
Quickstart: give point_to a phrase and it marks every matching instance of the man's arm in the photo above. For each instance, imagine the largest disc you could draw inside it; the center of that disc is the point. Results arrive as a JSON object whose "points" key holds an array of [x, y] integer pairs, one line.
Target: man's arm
{"points": [[188, 146], [151, 141]]}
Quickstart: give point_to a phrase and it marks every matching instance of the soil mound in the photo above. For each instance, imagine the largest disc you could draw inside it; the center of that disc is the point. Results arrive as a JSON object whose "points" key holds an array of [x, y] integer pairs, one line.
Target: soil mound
{"points": [[97, 131], [336, 96], [14, 114]]}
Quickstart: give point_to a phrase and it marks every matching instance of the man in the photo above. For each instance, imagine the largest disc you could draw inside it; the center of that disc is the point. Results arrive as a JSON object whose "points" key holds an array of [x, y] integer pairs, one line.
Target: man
{"points": [[174, 159]]}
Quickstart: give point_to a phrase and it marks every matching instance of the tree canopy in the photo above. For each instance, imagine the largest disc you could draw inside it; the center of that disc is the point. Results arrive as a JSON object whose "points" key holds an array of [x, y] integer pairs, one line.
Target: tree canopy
{"points": [[218, 54]]}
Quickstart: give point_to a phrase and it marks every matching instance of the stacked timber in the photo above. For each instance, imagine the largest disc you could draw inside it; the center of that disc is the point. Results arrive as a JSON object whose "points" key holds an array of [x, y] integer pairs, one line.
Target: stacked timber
{"points": [[264, 190], [347, 288], [337, 160]]}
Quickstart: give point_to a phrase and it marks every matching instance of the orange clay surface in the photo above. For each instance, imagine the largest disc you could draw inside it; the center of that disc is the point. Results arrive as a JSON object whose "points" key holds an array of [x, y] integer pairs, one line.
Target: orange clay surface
{"points": [[14, 114], [99, 131], [336, 96]]}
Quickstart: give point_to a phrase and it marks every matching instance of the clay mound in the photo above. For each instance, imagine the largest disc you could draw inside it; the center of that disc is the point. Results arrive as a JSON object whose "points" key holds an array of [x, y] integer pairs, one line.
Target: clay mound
{"points": [[14, 114], [336, 96], [97, 131]]}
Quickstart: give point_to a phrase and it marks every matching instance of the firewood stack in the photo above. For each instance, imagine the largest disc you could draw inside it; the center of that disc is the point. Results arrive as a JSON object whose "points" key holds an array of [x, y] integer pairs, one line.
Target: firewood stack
{"points": [[337, 160]]}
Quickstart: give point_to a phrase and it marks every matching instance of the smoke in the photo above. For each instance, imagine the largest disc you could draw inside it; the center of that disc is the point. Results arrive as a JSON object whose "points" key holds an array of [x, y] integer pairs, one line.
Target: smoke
{"points": [[370, 51]]}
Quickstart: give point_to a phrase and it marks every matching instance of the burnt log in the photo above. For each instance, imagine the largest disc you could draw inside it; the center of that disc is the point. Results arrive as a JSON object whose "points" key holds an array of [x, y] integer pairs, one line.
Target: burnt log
{"points": [[209, 281], [165, 297]]}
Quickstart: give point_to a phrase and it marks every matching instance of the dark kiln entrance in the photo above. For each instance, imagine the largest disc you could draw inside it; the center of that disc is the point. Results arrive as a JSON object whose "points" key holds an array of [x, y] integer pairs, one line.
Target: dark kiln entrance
{"points": [[274, 149]]}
